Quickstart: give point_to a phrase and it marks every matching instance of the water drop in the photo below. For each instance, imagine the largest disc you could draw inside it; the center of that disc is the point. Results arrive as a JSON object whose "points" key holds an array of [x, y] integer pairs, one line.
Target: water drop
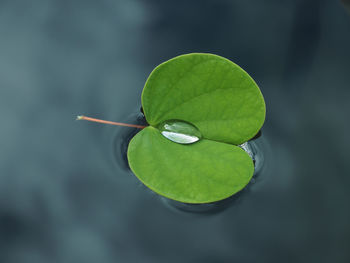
{"points": [[179, 131]]}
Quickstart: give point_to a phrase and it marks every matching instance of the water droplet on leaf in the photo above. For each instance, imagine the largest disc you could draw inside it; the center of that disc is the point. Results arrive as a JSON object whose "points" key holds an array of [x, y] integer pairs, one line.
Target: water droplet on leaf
{"points": [[179, 131]]}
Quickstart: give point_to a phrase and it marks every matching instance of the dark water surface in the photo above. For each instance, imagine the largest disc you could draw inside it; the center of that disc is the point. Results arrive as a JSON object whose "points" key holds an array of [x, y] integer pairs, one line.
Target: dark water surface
{"points": [[66, 194]]}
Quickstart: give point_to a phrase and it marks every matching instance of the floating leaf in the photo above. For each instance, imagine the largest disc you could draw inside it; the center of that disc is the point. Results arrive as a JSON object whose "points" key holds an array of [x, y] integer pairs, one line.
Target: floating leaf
{"points": [[203, 172], [201, 98], [211, 92]]}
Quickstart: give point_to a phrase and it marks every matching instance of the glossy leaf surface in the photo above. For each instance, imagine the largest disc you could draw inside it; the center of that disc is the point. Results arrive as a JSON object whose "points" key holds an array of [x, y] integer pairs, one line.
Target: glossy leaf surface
{"points": [[225, 106], [203, 172], [209, 91]]}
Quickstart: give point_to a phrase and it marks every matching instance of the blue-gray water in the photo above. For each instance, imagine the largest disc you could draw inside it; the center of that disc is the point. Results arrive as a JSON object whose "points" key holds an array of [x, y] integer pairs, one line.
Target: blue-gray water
{"points": [[65, 198]]}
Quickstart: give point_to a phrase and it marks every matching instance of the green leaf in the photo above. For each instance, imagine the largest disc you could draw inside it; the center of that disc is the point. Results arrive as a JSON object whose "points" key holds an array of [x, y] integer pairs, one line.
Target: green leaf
{"points": [[209, 102], [209, 91], [202, 172]]}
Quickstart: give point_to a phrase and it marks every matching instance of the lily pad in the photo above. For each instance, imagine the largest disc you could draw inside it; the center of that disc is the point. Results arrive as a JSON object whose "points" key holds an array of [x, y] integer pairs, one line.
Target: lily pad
{"points": [[209, 98], [209, 91], [202, 172]]}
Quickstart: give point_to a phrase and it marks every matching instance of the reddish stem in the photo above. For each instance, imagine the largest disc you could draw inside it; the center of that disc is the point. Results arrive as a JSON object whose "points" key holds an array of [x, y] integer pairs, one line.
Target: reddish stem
{"points": [[110, 122]]}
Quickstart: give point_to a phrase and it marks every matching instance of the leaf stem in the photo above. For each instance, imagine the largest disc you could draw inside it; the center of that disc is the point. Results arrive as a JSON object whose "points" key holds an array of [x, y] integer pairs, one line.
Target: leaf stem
{"points": [[81, 117]]}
